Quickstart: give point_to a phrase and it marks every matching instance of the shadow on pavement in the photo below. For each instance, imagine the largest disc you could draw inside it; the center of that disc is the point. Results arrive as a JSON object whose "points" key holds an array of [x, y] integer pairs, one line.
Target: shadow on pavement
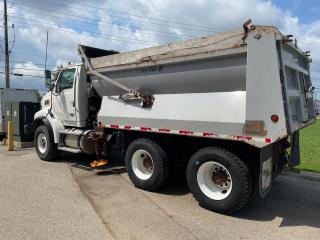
{"points": [[111, 171], [295, 200], [175, 189], [82, 161]]}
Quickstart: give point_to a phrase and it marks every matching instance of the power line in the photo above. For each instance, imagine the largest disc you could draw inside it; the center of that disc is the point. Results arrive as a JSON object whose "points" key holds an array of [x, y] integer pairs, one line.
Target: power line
{"points": [[42, 56], [20, 62], [162, 20], [27, 69], [22, 75], [186, 26], [39, 56], [103, 36], [121, 13], [314, 43], [46, 58], [134, 41], [68, 16], [120, 27], [142, 31], [65, 16], [132, 15], [113, 38]]}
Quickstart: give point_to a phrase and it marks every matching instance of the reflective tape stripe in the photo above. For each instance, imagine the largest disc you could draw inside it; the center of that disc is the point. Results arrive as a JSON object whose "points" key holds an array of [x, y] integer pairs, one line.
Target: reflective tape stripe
{"points": [[191, 133], [164, 130]]}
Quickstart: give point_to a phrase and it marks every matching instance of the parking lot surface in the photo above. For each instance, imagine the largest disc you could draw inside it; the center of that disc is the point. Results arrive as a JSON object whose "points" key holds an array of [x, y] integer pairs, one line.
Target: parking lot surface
{"points": [[40, 200], [290, 211]]}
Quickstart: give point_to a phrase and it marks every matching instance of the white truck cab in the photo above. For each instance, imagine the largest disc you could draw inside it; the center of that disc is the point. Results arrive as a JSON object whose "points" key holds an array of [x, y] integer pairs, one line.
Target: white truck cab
{"points": [[69, 96]]}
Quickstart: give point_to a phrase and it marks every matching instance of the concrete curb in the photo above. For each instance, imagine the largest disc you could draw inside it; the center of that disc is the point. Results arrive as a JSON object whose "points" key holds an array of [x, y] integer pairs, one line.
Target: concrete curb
{"points": [[17, 144], [306, 175]]}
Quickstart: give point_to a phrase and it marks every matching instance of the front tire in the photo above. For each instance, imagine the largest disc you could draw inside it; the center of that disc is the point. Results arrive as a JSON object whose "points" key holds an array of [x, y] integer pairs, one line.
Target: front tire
{"points": [[219, 180], [44, 143], [147, 164]]}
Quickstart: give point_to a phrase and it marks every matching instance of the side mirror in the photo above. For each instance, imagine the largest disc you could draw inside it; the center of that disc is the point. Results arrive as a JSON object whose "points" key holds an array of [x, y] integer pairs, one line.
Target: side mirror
{"points": [[48, 81]]}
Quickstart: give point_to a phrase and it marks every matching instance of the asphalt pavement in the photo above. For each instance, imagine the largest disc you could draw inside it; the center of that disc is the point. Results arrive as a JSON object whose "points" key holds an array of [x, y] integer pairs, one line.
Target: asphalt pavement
{"points": [[68, 200], [41, 200]]}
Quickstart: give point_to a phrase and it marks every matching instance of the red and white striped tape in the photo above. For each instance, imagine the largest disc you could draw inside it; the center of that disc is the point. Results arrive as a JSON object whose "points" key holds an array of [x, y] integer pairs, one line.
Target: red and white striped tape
{"points": [[189, 133]]}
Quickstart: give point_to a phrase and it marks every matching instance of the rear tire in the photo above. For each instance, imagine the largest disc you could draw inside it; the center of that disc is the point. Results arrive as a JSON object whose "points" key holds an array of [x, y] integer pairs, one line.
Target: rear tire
{"points": [[219, 180], [147, 164], [44, 144]]}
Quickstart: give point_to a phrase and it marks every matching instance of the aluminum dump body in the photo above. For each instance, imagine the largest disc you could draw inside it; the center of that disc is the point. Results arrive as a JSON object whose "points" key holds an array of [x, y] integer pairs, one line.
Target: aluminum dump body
{"points": [[183, 67], [223, 86]]}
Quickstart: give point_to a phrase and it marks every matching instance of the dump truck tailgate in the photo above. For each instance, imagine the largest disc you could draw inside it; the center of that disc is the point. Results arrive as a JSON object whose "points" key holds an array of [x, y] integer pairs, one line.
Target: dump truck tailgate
{"points": [[298, 96]]}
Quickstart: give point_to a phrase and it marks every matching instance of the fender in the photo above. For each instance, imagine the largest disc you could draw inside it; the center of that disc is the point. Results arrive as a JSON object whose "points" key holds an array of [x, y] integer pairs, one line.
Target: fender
{"points": [[38, 120], [42, 117]]}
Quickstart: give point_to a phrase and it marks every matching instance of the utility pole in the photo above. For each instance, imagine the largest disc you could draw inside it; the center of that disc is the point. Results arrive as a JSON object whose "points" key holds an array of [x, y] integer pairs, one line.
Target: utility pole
{"points": [[6, 48], [45, 62]]}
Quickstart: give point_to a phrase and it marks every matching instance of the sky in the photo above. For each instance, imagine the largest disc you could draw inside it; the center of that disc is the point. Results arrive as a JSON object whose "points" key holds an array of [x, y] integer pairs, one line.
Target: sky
{"points": [[133, 24]]}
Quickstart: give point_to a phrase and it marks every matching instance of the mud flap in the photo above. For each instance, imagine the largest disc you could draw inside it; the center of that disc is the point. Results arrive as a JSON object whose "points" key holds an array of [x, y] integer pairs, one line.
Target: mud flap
{"points": [[294, 158], [265, 181]]}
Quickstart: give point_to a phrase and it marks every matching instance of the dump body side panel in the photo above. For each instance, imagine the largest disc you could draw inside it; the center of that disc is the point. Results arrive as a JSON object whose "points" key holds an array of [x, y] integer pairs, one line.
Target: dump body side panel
{"points": [[193, 114], [199, 98], [220, 74], [204, 98]]}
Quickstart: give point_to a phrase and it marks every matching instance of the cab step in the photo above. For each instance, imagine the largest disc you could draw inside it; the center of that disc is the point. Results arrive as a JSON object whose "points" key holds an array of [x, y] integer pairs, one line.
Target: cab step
{"points": [[72, 150]]}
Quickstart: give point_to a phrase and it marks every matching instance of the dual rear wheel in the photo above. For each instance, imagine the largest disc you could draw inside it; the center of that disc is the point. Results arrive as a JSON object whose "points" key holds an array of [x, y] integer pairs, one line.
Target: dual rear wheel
{"points": [[218, 179]]}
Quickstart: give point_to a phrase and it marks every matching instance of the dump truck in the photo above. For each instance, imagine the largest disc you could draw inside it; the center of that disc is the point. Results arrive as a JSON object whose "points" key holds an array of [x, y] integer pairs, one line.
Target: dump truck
{"points": [[225, 109]]}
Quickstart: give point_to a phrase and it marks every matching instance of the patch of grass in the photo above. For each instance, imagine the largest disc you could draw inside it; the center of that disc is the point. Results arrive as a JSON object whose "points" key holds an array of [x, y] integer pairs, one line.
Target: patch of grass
{"points": [[310, 148]]}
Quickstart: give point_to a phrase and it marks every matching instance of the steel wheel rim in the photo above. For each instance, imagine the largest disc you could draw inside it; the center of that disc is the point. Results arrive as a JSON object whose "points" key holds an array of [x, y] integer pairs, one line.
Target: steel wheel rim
{"points": [[42, 143], [142, 164], [214, 180]]}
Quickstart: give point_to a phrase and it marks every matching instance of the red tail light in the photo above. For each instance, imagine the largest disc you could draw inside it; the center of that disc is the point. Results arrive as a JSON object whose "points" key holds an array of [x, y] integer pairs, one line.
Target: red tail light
{"points": [[274, 118]]}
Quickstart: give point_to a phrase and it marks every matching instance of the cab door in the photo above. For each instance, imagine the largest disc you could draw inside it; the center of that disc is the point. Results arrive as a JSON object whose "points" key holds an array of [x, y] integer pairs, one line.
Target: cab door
{"points": [[64, 100]]}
